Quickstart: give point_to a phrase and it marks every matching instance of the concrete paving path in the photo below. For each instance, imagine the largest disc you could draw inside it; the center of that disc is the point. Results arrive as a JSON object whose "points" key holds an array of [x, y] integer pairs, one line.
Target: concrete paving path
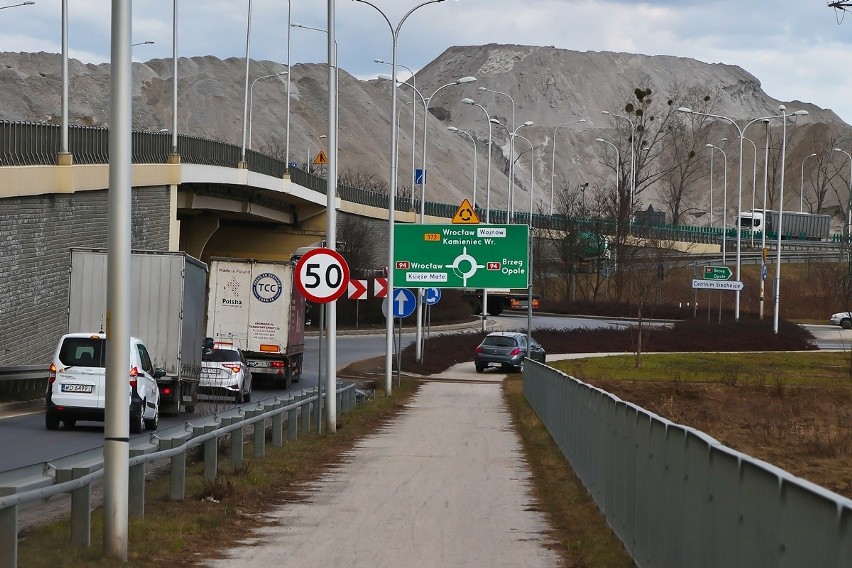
{"points": [[444, 484]]}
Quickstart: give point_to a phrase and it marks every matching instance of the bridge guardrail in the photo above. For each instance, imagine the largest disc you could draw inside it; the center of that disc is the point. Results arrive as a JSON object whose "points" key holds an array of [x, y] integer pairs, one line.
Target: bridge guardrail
{"points": [[74, 474], [23, 379], [677, 497]]}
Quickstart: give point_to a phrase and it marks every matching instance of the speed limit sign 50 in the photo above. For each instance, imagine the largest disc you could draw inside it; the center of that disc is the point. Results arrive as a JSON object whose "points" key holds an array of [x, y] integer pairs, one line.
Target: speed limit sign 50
{"points": [[322, 275]]}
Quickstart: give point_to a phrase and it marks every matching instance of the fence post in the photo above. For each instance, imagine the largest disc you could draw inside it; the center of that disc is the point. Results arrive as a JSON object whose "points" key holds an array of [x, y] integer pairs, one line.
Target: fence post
{"points": [[136, 488], [277, 425], [9, 536], [292, 420], [306, 414], [259, 433]]}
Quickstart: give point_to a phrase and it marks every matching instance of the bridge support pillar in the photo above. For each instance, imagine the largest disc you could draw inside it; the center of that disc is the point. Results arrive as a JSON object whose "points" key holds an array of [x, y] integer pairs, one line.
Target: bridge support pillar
{"points": [[64, 159]]}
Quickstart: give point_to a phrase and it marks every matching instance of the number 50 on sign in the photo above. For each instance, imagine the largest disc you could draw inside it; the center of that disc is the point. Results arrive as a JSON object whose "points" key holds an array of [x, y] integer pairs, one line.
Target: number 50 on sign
{"points": [[322, 275]]}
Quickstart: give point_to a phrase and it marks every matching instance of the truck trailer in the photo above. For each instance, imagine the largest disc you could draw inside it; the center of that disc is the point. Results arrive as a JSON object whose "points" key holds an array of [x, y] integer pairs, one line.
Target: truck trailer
{"points": [[253, 305], [166, 313], [796, 225]]}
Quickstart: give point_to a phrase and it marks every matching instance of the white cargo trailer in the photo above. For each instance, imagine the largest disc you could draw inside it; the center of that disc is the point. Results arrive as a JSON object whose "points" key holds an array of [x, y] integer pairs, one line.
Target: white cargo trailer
{"points": [[254, 306], [167, 291], [796, 225]]}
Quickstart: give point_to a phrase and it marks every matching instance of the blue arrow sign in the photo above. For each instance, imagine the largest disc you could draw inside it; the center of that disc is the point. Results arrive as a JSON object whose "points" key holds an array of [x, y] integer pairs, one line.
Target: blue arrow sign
{"points": [[419, 176], [404, 302], [431, 296]]}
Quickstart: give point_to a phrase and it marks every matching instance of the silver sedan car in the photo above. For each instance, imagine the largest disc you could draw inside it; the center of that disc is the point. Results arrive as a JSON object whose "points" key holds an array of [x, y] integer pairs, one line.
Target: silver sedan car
{"points": [[843, 319], [506, 349], [224, 371]]}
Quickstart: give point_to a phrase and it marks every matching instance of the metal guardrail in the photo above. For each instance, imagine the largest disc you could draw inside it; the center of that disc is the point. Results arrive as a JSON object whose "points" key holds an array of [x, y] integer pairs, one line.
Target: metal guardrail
{"points": [[75, 474], [677, 497], [23, 379]]}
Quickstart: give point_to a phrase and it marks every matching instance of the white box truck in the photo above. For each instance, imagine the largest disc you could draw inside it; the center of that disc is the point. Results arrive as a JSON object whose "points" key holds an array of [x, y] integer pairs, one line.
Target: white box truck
{"points": [[166, 312], [254, 306]]}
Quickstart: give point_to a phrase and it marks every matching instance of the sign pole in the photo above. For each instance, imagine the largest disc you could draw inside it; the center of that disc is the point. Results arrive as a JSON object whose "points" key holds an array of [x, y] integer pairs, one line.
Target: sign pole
{"points": [[319, 371]]}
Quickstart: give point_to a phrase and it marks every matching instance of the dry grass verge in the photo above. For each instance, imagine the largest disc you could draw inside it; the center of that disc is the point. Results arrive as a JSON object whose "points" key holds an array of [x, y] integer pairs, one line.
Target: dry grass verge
{"points": [[217, 515]]}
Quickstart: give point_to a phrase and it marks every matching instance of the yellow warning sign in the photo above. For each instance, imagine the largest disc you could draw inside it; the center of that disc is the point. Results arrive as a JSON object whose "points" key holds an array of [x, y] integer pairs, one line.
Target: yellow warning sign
{"points": [[466, 214], [321, 159]]}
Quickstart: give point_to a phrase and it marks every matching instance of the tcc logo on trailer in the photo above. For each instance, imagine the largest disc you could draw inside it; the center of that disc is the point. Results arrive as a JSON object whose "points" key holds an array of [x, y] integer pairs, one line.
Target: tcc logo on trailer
{"points": [[266, 287]]}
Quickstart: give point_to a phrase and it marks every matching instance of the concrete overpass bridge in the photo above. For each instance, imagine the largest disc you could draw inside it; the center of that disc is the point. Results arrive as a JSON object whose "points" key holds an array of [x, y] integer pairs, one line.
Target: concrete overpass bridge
{"points": [[203, 200]]}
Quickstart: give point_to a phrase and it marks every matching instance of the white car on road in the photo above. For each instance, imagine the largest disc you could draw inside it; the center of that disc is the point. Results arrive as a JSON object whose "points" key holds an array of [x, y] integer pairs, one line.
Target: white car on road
{"points": [[76, 387], [843, 319]]}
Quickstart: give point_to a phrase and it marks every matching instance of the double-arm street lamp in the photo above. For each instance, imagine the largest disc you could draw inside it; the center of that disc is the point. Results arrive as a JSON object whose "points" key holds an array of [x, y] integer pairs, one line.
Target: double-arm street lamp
{"points": [[553, 158], [510, 198], [530, 248], [741, 132], [392, 193], [510, 178], [251, 99], [802, 185]]}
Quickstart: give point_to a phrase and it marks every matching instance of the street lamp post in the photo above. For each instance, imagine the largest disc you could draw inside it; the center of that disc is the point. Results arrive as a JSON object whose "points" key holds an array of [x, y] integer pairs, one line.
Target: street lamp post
{"points": [[246, 88], [802, 185], [530, 247], [617, 165], [413, 119], [724, 214], [780, 229], [251, 99], [510, 199], [472, 139], [511, 176], [632, 165], [553, 159], [392, 192], [753, 189], [742, 132], [468, 101], [848, 208]]}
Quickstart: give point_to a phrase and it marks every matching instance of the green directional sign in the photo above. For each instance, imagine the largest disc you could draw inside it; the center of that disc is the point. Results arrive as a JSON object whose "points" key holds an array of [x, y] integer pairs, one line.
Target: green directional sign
{"points": [[461, 256], [717, 273]]}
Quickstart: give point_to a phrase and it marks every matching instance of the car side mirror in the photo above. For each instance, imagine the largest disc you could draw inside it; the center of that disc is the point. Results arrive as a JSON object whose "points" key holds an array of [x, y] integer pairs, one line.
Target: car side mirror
{"points": [[208, 343], [159, 372]]}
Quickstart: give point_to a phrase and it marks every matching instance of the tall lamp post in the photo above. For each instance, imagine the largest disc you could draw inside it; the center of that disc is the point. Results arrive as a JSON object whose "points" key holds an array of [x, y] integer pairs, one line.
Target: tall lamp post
{"points": [[413, 118], [632, 164], [468, 101], [510, 199], [251, 99], [753, 187], [848, 209], [392, 192], [246, 88], [617, 165], [742, 132], [530, 246], [802, 185], [724, 215], [473, 140], [511, 176], [553, 158]]}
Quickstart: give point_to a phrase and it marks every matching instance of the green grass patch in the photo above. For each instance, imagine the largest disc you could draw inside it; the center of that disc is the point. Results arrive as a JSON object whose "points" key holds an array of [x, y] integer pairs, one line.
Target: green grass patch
{"points": [[808, 368]]}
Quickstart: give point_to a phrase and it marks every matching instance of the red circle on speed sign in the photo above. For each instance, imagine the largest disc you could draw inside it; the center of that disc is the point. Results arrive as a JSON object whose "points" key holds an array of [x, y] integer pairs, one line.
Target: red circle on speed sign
{"points": [[322, 275]]}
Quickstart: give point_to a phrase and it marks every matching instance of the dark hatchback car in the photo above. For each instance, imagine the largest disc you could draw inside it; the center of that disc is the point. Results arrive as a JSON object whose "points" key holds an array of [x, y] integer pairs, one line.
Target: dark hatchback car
{"points": [[507, 349]]}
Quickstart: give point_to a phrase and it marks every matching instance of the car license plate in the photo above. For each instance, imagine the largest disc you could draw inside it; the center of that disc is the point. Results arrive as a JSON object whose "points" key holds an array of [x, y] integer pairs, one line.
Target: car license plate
{"points": [[76, 388]]}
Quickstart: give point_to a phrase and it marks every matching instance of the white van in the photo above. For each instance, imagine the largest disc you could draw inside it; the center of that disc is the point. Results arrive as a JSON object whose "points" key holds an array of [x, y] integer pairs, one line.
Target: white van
{"points": [[76, 387]]}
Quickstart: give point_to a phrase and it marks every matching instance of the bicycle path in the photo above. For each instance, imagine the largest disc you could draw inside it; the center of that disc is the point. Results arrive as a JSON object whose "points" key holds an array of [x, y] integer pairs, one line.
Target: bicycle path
{"points": [[444, 484]]}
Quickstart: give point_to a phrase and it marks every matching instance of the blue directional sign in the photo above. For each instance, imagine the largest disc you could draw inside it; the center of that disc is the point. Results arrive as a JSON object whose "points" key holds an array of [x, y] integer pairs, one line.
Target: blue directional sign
{"points": [[431, 296], [403, 302], [419, 175]]}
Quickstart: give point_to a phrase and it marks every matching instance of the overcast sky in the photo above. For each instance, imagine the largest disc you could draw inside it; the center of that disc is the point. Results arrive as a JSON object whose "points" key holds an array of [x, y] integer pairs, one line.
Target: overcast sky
{"points": [[798, 49]]}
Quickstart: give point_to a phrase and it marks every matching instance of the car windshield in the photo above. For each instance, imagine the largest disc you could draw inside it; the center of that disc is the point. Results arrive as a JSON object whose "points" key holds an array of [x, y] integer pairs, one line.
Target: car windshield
{"points": [[82, 352], [220, 355], [500, 341]]}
